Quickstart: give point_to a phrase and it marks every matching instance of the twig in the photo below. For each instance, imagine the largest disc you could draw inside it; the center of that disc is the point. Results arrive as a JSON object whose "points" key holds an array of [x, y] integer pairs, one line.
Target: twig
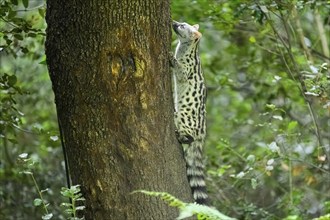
{"points": [[323, 37], [301, 35], [302, 86], [31, 9]]}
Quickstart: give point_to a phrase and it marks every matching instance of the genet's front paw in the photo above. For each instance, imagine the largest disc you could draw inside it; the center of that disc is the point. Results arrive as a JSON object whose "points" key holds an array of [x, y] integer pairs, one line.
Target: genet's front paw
{"points": [[173, 61]]}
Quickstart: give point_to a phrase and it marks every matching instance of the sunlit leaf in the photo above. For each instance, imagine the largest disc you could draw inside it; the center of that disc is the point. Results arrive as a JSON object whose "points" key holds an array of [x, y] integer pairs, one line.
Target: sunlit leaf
{"points": [[312, 94], [254, 183], [47, 216], [44, 190], [37, 202], [273, 147], [292, 125], [278, 117], [66, 204], [23, 155], [322, 158], [80, 207], [271, 106], [270, 161], [251, 158], [240, 175], [263, 8], [252, 39], [54, 138], [42, 12]]}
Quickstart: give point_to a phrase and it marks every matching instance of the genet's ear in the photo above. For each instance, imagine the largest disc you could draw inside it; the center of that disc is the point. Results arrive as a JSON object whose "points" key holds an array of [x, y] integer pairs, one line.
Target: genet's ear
{"points": [[196, 26], [197, 34]]}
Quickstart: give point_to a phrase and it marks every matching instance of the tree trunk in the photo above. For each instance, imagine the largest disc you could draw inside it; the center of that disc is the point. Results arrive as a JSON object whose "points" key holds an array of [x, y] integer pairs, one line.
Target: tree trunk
{"points": [[108, 62]]}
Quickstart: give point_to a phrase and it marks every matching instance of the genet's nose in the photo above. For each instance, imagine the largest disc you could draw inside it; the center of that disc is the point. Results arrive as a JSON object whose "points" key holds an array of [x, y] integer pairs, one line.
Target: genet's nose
{"points": [[175, 24]]}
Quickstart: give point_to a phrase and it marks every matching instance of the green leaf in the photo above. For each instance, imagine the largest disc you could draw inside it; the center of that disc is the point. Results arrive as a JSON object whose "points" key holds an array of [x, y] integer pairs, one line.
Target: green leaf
{"points": [[12, 80], [251, 159], [252, 39], [44, 190], [23, 155], [12, 140], [292, 217], [263, 9], [65, 204], [254, 183], [327, 207], [325, 217], [202, 212], [16, 30], [292, 125], [24, 50], [47, 216], [8, 41], [80, 207], [25, 3], [188, 209], [66, 192], [271, 106], [14, 2], [37, 202], [54, 138], [42, 12], [18, 36], [12, 14], [43, 62]]}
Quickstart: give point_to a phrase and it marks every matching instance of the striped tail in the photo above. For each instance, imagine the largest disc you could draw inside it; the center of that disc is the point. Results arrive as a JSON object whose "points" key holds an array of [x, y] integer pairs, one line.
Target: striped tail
{"points": [[195, 171]]}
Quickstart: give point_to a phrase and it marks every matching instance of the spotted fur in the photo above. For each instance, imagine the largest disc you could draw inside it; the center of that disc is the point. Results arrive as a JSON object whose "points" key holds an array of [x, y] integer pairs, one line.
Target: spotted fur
{"points": [[189, 101]]}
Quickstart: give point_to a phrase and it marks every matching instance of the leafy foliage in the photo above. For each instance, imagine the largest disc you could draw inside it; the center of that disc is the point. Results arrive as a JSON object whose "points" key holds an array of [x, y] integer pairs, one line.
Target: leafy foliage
{"points": [[325, 217], [27, 168], [266, 65], [74, 194]]}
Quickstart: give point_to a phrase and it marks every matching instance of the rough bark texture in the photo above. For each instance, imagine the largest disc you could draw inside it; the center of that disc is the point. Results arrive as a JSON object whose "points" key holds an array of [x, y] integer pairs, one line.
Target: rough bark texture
{"points": [[108, 62]]}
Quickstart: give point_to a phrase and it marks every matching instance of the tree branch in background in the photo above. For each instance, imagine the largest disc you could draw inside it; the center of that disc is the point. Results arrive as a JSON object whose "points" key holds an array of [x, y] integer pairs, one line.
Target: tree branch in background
{"points": [[323, 36], [296, 72]]}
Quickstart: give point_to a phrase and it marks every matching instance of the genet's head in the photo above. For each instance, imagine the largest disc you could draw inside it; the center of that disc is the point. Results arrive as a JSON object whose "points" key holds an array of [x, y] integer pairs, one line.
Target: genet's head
{"points": [[186, 32]]}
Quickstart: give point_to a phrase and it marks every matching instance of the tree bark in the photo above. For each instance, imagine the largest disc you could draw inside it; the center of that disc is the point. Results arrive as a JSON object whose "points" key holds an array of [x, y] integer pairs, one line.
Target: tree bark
{"points": [[108, 62]]}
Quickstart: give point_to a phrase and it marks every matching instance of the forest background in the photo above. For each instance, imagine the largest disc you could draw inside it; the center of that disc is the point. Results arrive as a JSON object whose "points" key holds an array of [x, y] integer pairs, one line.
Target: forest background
{"points": [[266, 65]]}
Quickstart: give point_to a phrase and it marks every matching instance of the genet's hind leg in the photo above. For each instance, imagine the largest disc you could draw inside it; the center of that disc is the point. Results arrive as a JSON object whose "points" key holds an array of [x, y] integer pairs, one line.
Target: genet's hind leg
{"points": [[182, 132], [184, 138]]}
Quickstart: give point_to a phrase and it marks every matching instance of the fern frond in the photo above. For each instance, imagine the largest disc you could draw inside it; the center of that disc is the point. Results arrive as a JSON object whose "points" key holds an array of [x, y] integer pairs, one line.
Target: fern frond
{"points": [[203, 212], [188, 209], [171, 200]]}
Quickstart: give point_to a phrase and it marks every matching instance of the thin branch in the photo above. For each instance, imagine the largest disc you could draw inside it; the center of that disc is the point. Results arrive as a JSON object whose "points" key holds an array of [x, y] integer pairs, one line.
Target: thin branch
{"points": [[31, 9], [301, 86], [301, 36], [5, 20], [323, 37]]}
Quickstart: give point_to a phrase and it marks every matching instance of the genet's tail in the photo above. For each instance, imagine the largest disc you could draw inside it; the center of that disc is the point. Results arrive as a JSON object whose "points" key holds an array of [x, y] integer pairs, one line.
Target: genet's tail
{"points": [[195, 171]]}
